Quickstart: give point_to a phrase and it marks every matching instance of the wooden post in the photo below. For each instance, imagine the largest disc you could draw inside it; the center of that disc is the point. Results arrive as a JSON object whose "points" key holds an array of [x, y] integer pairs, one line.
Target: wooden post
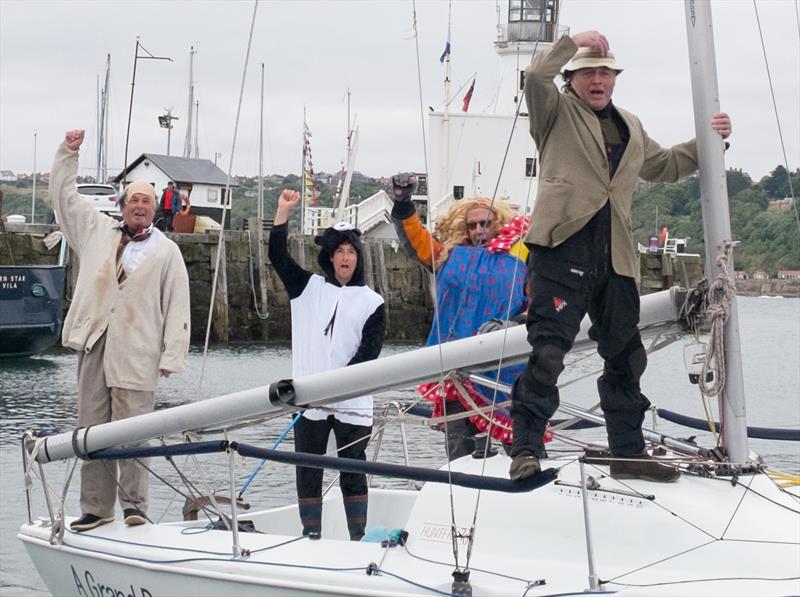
{"points": [[256, 226], [375, 269], [219, 322]]}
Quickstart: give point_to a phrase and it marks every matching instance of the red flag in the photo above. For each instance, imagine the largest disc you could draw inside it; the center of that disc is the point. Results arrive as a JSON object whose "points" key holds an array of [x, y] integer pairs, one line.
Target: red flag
{"points": [[468, 97]]}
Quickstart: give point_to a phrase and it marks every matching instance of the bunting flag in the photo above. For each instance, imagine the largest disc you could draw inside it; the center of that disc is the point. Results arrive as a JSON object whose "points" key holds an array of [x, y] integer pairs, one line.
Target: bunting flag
{"points": [[309, 190], [446, 52], [468, 97]]}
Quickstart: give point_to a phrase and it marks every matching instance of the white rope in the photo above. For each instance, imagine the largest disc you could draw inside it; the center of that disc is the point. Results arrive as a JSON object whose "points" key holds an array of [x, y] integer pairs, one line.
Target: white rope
{"points": [[38, 444], [508, 314], [720, 295], [59, 526], [227, 201]]}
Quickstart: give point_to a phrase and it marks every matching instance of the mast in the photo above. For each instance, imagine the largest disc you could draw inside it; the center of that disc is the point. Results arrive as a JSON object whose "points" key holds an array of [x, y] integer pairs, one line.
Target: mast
{"points": [[104, 118], [187, 144], [349, 127], [102, 125], [136, 59], [346, 175], [33, 193], [303, 175], [446, 110], [716, 216], [196, 129], [260, 206], [98, 100]]}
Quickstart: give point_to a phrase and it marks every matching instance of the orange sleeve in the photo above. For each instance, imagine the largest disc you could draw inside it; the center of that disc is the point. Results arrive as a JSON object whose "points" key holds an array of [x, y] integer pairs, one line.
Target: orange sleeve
{"points": [[419, 240]]}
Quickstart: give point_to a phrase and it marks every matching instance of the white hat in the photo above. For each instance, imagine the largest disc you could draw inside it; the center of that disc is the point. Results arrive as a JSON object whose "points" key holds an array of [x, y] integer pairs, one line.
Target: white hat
{"points": [[592, 58]]}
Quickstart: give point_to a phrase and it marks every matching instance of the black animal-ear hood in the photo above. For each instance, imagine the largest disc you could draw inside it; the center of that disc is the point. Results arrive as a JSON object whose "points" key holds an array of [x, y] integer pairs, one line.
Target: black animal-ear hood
{"points": [[330, 239]]}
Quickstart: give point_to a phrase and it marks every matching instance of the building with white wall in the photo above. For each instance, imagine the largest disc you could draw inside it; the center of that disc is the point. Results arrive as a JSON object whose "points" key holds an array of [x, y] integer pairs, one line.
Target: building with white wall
{"points": [[202, 180]]}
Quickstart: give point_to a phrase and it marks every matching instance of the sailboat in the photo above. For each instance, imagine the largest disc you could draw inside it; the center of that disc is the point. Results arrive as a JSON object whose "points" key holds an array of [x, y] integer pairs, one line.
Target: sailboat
{"points": [[724, 528]]}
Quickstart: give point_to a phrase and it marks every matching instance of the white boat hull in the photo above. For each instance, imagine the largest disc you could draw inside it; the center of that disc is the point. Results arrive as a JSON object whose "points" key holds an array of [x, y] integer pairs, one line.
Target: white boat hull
{"points": [[697, 536]]}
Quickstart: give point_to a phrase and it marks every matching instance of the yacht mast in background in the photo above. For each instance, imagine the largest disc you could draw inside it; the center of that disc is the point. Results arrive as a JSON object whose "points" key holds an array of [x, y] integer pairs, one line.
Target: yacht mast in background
{"points": [[187, 144], [101, 174]]}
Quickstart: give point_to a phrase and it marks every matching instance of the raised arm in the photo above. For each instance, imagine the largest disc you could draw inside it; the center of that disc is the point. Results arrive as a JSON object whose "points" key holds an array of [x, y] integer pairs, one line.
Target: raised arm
{"points": [[73, 214], [415, 238], [293, 276]]}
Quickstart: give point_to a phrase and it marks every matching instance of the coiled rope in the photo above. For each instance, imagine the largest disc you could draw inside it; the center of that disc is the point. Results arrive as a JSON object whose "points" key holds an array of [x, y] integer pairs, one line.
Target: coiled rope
{"points": [[720, 295]]}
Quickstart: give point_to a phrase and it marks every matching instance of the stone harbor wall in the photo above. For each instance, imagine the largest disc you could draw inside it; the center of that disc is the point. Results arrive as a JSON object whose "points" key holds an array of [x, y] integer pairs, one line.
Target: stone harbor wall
{"points": [[245, 278], [242, 315]]}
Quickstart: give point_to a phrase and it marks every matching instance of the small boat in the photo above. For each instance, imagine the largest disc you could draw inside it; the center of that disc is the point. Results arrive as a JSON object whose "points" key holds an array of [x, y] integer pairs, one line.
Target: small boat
{"points": [[31, 308]]}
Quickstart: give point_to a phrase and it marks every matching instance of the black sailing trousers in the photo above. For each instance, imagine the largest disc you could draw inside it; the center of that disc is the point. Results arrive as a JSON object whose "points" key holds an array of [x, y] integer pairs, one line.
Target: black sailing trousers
{"points": [[567, 282], [312, 437]]}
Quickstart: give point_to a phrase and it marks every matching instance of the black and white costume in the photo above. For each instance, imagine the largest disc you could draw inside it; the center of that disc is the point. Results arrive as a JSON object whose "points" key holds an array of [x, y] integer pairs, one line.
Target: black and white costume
{"points": [[332, 326]]}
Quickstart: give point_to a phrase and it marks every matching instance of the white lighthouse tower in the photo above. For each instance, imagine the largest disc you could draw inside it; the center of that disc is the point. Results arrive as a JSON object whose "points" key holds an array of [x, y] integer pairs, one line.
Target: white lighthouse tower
{"points": [[468, 148]]}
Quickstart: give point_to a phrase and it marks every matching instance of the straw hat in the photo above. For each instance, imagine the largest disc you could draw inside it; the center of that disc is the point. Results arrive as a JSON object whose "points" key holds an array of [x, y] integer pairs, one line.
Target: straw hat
{"points": [[592, 58]]}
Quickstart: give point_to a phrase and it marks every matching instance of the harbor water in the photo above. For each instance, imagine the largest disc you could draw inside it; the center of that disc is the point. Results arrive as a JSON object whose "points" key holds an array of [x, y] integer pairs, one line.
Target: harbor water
{"points": [[39, 393]]}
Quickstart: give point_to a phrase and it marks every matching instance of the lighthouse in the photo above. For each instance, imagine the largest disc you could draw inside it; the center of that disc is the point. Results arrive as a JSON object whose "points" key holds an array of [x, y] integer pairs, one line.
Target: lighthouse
{"points": [[470, 150]]}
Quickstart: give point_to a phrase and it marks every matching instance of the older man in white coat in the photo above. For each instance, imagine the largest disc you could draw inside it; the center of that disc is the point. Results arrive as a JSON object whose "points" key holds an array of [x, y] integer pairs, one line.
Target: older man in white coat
{"points": [[129, 322]]}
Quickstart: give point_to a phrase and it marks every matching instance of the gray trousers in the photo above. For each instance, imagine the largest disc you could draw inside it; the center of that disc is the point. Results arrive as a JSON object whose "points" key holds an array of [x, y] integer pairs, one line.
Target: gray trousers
{"points": [[97, 403]]}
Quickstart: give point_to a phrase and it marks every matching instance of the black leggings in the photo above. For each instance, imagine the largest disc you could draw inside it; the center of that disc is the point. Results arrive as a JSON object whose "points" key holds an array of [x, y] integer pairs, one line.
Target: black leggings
{"points": [[312, 437]]}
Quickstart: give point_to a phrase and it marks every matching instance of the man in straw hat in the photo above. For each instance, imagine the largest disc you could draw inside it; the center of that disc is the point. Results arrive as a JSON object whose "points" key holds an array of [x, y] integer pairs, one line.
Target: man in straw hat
{"points": [[128, 320], [337, 320], [581, 247]]}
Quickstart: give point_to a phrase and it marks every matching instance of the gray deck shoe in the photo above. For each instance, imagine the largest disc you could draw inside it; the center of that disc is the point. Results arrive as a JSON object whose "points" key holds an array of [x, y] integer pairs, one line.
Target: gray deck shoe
{"points": [[524, 466]]}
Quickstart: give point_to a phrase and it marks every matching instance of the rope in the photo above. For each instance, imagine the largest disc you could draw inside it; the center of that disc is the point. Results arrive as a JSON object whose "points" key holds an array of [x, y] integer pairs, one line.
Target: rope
{"points": [[57, 530], [777, 117], [720, 295], [436, 316], [508, 310], [277, 443], [250, 270], [227, 201], [783, 480]]}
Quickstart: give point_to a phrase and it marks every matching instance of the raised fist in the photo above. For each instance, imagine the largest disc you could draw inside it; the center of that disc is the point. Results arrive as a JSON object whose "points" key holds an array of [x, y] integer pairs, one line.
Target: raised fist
{"points": [[73, 139], [403, 186]]}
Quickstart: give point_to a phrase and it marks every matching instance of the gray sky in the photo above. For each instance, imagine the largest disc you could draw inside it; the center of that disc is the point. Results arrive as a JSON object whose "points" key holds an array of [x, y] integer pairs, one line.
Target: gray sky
{"points": [[51, 54]]}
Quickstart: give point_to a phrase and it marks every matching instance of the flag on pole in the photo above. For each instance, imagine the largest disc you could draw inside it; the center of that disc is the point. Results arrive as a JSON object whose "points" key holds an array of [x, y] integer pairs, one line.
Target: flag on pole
{"points": [[468, 97], [446, 52], [309, 190]]}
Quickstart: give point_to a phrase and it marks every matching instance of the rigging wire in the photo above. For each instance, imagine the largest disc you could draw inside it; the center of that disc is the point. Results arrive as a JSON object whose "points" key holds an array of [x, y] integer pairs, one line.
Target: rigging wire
{"points": [[227, 201], [508, 309], [436, 316], [775, 108]]}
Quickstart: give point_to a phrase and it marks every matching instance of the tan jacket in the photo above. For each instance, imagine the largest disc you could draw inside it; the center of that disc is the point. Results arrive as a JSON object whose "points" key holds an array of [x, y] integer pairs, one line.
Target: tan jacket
{"points": [[146, 318], [574, 183]]}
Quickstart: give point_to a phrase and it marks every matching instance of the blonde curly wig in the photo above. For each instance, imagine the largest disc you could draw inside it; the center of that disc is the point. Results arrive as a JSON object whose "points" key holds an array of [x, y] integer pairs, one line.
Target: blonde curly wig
{"points": [[451, 228]]}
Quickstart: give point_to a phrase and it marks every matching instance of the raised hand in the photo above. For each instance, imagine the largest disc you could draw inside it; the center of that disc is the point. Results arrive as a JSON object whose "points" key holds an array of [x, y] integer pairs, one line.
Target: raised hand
{"points": [[592, 39], [288, 199], [286, 202], [73, 139], [403, 186]]}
